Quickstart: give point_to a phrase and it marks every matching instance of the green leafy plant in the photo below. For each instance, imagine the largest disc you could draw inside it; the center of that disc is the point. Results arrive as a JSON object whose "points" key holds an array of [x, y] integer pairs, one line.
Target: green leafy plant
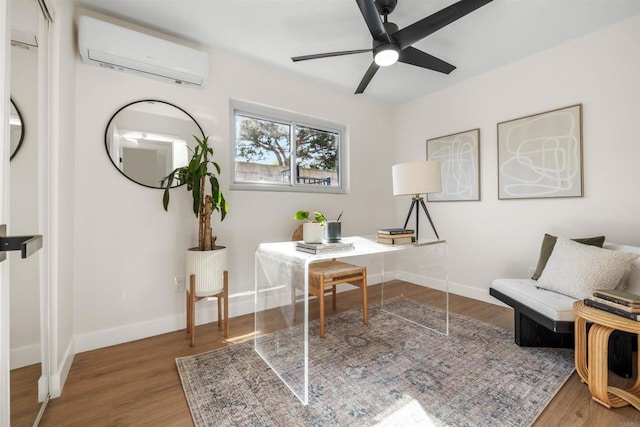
{"points": [[195, 175], [304, 216]]}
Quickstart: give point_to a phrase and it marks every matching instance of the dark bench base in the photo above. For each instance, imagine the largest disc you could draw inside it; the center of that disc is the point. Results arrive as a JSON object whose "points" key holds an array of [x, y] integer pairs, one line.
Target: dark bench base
{"points": [[532, 329]]}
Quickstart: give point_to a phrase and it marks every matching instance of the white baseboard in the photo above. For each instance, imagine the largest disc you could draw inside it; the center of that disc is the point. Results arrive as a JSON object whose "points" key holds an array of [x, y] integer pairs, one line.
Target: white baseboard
{"points": [[454, 288], [131, 332], [25, 356], [43, 388], [241, 304], [474, 293], [206, 312], [59, 376]]}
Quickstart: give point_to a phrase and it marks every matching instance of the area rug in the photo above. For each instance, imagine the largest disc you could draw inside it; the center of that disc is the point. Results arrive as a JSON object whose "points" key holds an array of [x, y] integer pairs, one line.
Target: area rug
{"points": [[391, 372]]}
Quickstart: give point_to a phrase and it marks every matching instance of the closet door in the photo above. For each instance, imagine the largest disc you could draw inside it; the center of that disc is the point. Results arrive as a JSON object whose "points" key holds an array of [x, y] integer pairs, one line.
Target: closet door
{"points": [[24, 273]]}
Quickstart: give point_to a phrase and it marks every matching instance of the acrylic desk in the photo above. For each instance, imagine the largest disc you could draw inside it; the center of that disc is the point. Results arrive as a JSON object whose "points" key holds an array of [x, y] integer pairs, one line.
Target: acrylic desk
{"points": [[279, 269]]}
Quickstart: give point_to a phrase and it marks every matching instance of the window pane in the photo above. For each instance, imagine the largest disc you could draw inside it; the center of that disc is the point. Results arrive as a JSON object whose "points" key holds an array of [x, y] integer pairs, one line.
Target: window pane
{"points": [[263, 150], [317, 157]]}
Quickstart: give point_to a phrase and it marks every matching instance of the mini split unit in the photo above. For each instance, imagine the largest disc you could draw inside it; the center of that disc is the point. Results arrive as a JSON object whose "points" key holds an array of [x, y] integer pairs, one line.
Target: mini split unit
{"points": [[111, 46]]}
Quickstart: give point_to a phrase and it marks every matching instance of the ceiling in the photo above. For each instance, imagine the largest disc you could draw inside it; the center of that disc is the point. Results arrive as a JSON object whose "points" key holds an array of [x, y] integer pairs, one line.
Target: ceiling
{"points": [[272, 31]]}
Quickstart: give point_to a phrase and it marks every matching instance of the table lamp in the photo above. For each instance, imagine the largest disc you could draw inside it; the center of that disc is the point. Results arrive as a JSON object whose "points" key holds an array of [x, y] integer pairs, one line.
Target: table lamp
{"points": [[415, 179]]}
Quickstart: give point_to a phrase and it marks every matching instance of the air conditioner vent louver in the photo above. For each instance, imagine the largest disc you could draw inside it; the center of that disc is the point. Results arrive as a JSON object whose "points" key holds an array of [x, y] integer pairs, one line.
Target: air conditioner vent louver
{"points": [[110, 46]]}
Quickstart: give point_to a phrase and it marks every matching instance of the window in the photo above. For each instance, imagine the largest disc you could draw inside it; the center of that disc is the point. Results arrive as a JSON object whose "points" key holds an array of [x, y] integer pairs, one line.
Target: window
{"points": [[283, 151]]}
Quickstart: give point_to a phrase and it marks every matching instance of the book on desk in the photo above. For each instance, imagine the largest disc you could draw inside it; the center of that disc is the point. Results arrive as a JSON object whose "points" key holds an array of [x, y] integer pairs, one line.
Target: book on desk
{"points": [[323, 248], [394, 231], [395, 236]]}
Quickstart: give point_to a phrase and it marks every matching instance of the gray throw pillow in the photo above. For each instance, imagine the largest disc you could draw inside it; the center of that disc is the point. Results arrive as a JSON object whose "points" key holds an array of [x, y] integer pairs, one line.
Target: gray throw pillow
{"points": [[549, 241]]}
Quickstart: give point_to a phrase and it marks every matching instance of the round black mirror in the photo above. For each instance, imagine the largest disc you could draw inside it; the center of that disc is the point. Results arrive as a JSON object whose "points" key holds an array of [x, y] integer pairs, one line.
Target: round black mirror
{"points": [[16, 128], [148, 139]]}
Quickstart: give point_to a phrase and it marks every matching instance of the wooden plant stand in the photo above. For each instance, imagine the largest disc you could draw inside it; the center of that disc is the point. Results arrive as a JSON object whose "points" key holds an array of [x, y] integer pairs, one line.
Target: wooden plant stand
{"points": [[223, 300]]}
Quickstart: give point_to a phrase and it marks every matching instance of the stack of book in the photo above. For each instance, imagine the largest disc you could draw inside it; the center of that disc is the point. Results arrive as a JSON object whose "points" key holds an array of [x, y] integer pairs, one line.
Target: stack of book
{"points": [[395, 236], [618, 302], [323, 248]]}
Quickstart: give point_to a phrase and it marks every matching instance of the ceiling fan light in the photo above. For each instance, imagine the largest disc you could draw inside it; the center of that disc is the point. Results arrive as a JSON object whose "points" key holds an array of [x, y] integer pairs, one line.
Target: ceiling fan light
{"points": [[386, 55]]}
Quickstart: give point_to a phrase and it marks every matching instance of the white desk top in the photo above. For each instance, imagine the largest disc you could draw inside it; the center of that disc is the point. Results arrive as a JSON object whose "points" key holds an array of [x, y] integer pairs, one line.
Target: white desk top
{"points": [[366, 245]]}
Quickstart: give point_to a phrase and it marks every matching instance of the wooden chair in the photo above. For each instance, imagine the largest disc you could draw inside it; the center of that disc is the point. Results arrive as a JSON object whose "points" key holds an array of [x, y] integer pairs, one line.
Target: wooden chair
{"points": [[325, 276], [194, 295]]}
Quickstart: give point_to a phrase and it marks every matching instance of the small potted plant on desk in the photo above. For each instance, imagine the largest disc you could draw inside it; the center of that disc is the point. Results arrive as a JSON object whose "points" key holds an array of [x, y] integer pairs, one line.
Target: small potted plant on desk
{"points": [[206, 264], [312, 232]]}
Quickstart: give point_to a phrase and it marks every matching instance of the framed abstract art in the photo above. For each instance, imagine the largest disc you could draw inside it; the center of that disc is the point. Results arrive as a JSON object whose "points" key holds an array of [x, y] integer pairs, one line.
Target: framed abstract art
{"points": [[540, 155], [459, 155]]}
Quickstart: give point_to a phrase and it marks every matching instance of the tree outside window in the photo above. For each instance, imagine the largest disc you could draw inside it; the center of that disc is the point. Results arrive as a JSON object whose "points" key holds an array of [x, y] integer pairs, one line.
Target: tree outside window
{"points": [[264, 153]]}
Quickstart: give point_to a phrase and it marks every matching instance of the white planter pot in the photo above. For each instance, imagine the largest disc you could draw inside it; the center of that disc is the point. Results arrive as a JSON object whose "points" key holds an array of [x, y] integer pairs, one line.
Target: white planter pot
{"points": [[312, 232], [208, 267]]}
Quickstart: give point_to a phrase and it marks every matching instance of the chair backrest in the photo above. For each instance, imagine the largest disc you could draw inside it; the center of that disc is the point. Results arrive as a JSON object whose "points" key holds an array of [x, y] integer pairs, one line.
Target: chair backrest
{"points": [[297, 234], [631, 281]]}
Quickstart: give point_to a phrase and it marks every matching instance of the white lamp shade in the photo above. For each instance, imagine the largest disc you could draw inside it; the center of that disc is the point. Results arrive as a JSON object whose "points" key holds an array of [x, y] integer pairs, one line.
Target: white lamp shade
{"points": [[209, 267], [421, 177]]}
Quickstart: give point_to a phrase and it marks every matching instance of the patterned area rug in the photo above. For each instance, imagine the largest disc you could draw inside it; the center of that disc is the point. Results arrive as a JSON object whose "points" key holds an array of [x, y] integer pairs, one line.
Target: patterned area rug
{"points": [[391, 372]]}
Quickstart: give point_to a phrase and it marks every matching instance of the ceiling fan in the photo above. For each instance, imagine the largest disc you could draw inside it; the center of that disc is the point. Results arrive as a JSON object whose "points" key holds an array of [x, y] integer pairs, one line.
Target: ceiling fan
{"points": [[391, 44]]}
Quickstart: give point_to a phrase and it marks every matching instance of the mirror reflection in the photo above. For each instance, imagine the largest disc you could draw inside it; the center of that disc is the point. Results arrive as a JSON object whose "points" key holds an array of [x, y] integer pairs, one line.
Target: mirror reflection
{"points": [[146, 140], [16, 127]]}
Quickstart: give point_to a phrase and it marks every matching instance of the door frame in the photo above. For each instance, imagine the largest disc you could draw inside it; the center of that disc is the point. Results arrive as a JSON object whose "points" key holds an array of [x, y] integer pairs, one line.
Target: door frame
{"points": [[5, 93], [45, 22]]}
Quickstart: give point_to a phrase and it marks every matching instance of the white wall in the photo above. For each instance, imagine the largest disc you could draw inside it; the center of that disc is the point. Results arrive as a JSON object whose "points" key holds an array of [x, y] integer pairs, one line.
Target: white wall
{"points": [[24, 273], [128, 250], [501, 238]]}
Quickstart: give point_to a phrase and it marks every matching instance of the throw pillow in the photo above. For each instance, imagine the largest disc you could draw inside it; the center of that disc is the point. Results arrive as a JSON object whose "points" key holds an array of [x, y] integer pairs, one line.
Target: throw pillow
{"points": [[576, 270], [547, 247]]}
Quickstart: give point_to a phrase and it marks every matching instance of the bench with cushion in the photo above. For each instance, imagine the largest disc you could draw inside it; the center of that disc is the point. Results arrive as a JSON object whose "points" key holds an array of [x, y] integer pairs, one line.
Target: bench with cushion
{"points": [[545, 318]]}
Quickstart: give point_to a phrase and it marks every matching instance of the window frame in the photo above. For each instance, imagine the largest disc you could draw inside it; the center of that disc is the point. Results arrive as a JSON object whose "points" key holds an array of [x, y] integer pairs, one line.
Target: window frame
{"points": [[263, 112]]}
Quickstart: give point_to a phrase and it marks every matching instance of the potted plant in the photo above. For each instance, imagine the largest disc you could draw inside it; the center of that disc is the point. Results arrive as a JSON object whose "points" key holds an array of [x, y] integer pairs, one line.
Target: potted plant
{"points": [[312, 232], [208, 260]]}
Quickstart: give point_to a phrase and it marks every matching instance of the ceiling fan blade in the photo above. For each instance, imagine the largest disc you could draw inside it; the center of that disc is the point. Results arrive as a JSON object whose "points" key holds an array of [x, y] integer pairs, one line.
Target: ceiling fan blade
{"points": [[328, 54], [372, 19], [432, 23], [367, 77], [416, 57]]}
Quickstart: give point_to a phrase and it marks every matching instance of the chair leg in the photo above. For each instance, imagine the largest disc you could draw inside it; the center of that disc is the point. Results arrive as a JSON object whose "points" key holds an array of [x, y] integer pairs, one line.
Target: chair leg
{"points": [[321, 300], [192, 310], [333, 298], [226, 304], [365, 305]]}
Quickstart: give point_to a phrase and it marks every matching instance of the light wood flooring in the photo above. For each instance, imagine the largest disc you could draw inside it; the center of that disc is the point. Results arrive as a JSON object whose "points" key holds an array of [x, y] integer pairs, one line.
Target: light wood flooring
{"points": [[24, 395], [137, 383]]}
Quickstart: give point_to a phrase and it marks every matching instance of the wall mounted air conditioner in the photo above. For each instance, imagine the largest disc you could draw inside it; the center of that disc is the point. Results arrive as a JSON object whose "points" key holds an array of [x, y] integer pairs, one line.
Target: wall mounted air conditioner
{"points": [[111, 46]]}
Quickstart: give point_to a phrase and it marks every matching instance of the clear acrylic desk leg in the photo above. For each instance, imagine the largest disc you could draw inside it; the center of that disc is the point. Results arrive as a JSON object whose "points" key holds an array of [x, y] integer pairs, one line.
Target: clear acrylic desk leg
{"points": [[425, 265], [282, 329]]}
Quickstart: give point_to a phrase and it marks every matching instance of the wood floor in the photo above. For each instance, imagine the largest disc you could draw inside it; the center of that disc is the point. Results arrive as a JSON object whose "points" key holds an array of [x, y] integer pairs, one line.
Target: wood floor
{"points": [[137, 383], [24, 395]]}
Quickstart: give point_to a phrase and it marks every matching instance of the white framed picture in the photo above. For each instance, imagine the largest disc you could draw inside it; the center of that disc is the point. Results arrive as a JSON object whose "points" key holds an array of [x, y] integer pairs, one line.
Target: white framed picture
{"points": [[540, 155], [459, 154]]}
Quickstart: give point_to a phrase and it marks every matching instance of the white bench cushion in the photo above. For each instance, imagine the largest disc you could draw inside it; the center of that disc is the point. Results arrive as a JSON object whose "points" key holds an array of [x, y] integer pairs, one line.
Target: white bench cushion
{"points": [[556, 306], [550, 304]]}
